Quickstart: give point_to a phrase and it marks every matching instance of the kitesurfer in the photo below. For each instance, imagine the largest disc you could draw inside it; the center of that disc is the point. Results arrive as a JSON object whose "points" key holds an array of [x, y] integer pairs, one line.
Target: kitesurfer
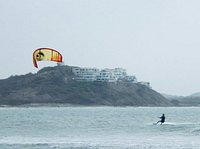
{"points": [[162, 119]]}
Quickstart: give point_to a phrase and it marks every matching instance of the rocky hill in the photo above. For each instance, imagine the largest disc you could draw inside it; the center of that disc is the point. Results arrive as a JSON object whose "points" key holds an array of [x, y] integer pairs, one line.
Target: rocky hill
{"points": [[55, 85], [191, 100]]}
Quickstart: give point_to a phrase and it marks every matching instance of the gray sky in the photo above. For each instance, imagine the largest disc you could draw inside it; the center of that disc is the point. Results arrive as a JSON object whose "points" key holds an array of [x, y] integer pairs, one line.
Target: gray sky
{"points": [[155, 40]]}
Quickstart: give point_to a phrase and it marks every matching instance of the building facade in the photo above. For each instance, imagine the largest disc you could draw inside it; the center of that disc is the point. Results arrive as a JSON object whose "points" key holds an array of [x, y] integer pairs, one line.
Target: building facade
{"points": [[104, 75], [85, 74]]}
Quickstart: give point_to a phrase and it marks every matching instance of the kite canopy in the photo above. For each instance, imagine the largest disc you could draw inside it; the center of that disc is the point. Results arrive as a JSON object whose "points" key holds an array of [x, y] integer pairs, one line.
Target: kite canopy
{"points": [[46, 54]]}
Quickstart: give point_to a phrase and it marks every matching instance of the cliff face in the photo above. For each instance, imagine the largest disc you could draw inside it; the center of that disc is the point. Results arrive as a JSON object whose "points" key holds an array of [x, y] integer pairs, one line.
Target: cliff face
{"points": [[56, 85]]}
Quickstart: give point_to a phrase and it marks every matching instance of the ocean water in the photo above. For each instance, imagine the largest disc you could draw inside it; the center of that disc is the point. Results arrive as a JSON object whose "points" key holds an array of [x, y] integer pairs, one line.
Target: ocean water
{"points": [[99, 127]]}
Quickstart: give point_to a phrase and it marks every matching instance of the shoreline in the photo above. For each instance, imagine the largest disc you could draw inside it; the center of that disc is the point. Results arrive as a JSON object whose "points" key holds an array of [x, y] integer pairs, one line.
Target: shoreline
{"points": [[74, 105]]}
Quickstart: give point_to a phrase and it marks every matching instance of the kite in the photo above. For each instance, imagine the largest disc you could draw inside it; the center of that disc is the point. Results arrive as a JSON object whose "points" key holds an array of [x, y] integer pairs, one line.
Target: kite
{"points": [[46, 54]]}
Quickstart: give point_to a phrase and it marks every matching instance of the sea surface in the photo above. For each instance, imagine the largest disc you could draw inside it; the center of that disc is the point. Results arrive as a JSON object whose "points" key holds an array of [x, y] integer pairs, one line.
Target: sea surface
{"points": [[99, 127]]}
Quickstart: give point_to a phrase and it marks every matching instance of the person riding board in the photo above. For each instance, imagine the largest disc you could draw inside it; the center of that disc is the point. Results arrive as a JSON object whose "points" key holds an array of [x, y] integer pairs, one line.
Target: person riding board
{"points": [[162, 119]]}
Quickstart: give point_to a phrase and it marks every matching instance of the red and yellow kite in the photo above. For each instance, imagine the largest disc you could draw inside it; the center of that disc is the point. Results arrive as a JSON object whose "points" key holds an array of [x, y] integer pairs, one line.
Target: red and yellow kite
{"points": [[46, 54]]}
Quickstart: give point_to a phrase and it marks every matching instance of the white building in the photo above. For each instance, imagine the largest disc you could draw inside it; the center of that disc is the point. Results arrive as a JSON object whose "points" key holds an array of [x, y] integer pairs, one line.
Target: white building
{"points": [[85, 74], [105, 75], [132, 79], [145, 83], [120, 73]]}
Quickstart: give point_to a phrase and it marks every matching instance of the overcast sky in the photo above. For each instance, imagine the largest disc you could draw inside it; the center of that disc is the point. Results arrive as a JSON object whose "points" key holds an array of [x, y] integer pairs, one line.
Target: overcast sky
{"points": [[156, 40]]}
